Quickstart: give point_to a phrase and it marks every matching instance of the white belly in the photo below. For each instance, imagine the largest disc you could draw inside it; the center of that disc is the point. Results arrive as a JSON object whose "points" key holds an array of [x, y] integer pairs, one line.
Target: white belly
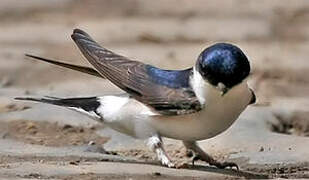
{"points": [[133, 118]]}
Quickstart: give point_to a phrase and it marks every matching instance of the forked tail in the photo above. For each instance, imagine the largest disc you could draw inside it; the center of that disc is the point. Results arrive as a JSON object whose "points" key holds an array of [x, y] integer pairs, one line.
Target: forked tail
{"points": [[86, 105]]}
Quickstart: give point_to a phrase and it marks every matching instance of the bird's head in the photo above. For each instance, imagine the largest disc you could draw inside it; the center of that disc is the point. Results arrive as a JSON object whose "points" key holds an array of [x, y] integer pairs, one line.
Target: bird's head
{"points": [[223, 66]]}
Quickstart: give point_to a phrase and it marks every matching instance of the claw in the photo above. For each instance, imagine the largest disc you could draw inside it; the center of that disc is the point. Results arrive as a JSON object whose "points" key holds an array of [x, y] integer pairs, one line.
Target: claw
{"points": [[224, 165], [195, 158]]}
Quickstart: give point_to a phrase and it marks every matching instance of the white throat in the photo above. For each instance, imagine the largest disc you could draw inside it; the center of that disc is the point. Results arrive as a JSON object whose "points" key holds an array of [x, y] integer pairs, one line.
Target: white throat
{"points": [[203, 90], [199, 86]]}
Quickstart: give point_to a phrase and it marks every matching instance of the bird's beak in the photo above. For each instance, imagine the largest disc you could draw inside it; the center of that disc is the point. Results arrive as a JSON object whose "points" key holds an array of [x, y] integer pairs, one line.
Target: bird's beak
{"points": [[222, 88]]}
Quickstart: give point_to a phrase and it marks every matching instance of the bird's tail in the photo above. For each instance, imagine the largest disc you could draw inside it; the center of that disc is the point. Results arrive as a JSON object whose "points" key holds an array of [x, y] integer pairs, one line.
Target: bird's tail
{"points": [[86, 105]]}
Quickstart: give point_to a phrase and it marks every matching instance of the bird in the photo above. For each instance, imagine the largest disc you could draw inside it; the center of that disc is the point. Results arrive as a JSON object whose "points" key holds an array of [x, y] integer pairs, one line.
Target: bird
{"points": [[190, 105]]}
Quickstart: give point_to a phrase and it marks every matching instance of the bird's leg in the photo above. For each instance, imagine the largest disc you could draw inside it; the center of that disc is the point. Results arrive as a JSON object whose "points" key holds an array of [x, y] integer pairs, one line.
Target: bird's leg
{"points": [[202, 155], [156, 144]]}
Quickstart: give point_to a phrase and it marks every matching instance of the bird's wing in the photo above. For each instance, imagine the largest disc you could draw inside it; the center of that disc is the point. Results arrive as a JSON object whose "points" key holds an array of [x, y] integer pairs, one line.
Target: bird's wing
{"points": [[79, 68], [166, 91]]}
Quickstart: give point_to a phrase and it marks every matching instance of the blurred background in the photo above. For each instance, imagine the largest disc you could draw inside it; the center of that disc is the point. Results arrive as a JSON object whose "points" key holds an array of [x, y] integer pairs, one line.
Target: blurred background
{"points": [[273, 34], [168, 34]]}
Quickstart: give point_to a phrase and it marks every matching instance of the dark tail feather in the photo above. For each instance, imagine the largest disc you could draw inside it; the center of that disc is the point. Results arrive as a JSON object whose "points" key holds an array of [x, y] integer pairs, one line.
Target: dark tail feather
{"points": [[88, 104], [48, 100], [83, 69]]}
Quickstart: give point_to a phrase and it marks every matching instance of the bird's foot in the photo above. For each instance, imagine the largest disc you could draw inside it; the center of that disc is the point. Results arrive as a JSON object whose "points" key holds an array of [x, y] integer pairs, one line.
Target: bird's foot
{"points": [[195, 158], [223, 165], [198, 154], [165, 161], [212, 162]]}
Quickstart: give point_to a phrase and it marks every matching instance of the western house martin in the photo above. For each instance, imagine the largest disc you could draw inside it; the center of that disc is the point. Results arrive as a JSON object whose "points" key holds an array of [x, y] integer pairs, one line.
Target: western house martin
{"points": [[189, 105]]}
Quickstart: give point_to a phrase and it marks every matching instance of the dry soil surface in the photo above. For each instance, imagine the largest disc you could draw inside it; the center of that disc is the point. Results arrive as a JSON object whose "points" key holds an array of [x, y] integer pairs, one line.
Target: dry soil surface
{"points": [[42, 142]]}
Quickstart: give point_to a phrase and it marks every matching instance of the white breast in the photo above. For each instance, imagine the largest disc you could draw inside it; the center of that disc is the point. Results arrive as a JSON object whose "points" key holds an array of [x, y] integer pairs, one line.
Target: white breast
{"points": [[218, 113]]}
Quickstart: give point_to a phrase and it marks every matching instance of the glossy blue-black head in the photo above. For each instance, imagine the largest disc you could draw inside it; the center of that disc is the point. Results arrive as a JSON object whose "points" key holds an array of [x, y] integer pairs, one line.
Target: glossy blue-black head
{"points": [[223, 63]]}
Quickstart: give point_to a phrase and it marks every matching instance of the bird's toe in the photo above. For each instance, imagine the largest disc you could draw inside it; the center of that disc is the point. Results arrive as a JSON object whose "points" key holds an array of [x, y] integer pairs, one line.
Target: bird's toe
{"points": [[223, 165]]}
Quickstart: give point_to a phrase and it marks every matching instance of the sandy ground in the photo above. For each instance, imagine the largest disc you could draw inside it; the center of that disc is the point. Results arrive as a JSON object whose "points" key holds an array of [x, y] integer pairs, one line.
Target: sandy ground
{"points": [[168, 34]]}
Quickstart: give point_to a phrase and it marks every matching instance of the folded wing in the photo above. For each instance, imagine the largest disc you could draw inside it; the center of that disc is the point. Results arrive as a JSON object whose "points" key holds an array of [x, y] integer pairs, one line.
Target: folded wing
{"points": [[166, 91]]}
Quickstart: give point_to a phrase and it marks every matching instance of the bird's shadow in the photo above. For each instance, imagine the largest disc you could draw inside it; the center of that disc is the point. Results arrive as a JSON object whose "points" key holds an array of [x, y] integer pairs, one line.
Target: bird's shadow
{"points": [[230, 172]]}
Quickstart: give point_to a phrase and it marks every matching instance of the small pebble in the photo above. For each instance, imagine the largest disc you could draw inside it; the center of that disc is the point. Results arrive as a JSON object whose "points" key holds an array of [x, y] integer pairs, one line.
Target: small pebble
{"points": [[74, 162], [157, 173], [261, 149]]}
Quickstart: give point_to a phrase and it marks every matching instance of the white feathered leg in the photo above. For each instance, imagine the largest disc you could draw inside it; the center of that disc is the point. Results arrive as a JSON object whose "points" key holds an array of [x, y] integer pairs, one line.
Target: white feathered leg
{"points": [[156, 145]]}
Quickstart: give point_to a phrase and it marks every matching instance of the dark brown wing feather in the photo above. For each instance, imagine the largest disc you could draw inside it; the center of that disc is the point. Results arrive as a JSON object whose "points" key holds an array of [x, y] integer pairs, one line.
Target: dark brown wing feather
{"points": [[136, 79]]}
